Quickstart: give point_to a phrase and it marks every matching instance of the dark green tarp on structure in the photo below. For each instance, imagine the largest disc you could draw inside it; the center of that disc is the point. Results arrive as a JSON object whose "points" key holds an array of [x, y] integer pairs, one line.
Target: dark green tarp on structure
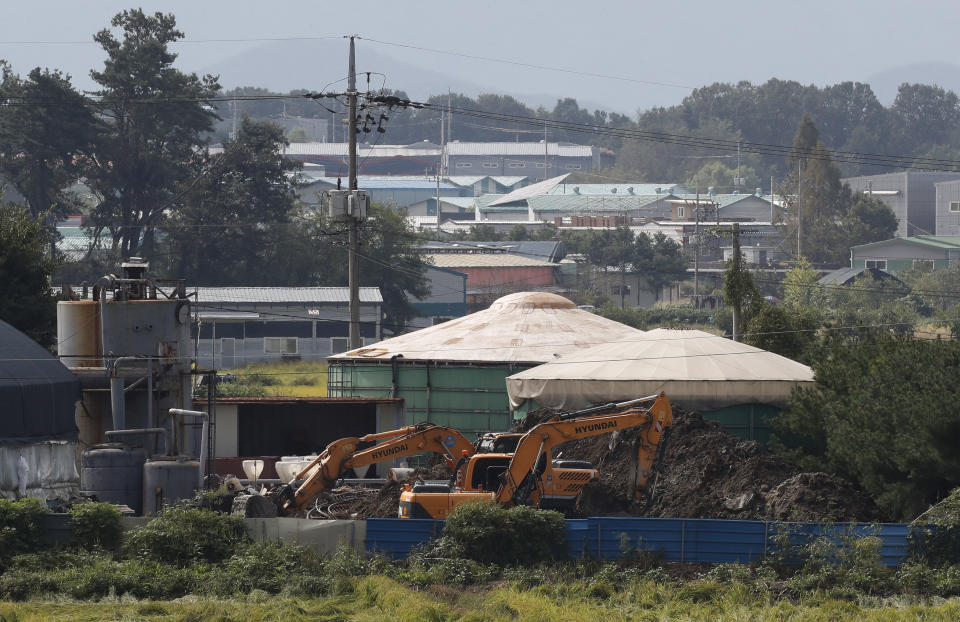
{"points": [[38, 394]]}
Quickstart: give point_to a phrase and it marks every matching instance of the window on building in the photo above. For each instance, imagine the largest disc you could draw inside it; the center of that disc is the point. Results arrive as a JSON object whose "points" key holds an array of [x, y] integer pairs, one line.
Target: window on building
{"points": [[464, 165], [489, 165], [280, 345], [680, 211], [924, 265], [574, 167], [616, 290], [517, 165], [879, 264], [955, 206], [541, 165], [339, 344]]}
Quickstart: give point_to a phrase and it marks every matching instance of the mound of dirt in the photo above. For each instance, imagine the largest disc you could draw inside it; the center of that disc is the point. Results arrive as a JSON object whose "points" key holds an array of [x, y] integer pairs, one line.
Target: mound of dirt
{"points": [[707, 473], [386, 502]]}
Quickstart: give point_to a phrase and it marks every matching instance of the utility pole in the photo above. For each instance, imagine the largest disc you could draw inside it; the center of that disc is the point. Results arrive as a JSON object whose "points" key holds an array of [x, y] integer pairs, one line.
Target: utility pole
{"points": [[696, 253], [443, 124], [546, 150], [352, 260], [736, 271], [799, 205]]}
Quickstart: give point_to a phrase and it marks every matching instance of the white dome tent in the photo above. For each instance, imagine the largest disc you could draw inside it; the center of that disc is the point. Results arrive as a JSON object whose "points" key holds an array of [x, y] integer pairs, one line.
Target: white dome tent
{"points": [[697, 370]]}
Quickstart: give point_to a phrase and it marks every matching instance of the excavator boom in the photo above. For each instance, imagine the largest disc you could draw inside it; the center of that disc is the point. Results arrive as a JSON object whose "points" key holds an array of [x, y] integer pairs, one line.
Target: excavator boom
{"points": [[520, 481], [342, 455]]}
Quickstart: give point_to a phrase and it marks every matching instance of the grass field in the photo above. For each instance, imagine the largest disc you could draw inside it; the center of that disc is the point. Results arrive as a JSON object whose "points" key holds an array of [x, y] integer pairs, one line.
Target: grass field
{"points": [[378, 599], [285, 379]]}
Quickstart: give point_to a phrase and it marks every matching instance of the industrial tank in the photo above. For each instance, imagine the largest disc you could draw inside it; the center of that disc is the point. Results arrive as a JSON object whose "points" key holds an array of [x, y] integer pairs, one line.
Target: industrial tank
{"points": [[78, 333], [114, 473], [167, 481]]}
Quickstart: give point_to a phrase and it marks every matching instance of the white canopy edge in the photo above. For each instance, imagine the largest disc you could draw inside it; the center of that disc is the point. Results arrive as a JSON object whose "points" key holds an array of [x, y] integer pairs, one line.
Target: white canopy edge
{"points": [[572, 394]]}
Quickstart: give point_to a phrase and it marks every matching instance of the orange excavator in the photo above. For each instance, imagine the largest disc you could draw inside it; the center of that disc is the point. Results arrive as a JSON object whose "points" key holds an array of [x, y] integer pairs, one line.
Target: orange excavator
{"points": [[528, 474], [342, 455]]}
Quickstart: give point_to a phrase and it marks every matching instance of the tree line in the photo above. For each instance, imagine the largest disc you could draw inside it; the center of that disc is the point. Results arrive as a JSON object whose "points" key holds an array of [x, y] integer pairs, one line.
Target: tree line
{"points": [[135, 161]]}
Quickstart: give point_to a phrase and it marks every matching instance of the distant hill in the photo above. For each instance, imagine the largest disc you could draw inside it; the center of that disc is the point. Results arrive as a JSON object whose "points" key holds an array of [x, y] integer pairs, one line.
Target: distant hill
{"points": [[886, 83], [286, 65]]}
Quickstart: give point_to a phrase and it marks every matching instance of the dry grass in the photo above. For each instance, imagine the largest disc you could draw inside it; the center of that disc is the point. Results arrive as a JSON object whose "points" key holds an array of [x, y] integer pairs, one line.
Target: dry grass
{"points": [[286, 378], [378, 598]]}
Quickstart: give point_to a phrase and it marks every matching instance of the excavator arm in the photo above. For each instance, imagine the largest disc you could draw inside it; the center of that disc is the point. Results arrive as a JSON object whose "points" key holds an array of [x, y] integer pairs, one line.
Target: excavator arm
{"points": [[519, 483], [342, 455]]}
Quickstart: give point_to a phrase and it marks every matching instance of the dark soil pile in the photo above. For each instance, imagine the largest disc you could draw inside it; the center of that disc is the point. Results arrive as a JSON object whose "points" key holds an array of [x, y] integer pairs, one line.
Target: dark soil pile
{"points": [[707, 473], [385, 502]]}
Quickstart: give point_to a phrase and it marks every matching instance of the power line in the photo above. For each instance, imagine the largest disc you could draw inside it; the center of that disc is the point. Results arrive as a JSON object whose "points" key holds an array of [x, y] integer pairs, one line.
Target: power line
{"points": [[506, 61]]}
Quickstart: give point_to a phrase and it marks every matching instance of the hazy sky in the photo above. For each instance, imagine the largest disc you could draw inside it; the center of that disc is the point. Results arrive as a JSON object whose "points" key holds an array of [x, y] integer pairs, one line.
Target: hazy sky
{"points": [[686, 44]]}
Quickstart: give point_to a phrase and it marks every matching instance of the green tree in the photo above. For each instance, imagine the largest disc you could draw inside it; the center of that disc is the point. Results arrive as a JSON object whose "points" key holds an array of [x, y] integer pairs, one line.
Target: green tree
{"points": [[869, 220], [147, 143], [298, 135], [783, 331], [881, 414], [235, 220], [716, 174], [800, 286], [659, 259], [389, 259], [46, 133], [25, 267], [816, 199], [739, 291], [518, 234]]}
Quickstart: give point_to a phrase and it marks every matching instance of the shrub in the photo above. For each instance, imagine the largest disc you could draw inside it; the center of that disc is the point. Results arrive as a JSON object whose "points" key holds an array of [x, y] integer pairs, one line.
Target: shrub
{"points": [[181, 536], [20, 528], [96, 525], [491, 533]]}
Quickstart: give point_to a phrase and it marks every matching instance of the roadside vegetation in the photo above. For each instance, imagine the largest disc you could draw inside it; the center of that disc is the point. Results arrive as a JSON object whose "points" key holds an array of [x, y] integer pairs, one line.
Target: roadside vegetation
{"points": [[491, 564]]}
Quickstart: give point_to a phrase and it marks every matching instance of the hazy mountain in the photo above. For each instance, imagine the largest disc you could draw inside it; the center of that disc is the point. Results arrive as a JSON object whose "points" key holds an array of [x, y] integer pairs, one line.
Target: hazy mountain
{"points": [[313, 64], [886, 83]]}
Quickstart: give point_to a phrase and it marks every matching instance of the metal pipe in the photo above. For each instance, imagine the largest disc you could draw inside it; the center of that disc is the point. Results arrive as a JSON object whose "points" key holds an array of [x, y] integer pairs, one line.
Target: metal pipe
{"points": [[150, 393], [133, 432], [117, 398], [205, 430]]}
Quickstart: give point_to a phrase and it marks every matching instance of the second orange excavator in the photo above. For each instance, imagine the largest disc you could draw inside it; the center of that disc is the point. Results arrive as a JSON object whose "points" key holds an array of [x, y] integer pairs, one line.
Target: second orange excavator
{"points": [[525, 476]]}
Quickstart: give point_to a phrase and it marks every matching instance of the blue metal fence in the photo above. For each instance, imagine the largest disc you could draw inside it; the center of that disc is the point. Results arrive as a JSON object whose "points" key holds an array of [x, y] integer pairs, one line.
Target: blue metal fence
{"points": [[695, 540], [395, 537]]}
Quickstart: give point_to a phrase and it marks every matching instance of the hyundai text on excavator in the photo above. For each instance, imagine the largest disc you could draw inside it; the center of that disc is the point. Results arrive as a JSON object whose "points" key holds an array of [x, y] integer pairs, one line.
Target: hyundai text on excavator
{"points": [[342, 455], [528, 474]]}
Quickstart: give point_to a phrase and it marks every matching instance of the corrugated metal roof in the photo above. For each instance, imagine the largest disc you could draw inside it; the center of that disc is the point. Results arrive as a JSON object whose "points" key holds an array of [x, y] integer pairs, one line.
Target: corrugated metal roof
{"points": [[724, 200], [581, 203], [363, 151], [544, 250], [520, 194], [532, 327], [293, 295], [485, 260], [465, 180], [459, 201], [518, 149], [469, 180], [508, 180], [618, 189], [944, 242]]}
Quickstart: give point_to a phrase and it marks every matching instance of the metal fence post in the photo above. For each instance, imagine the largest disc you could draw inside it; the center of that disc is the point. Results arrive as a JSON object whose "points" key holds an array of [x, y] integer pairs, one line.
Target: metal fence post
{"points": [[766, 537], [683, 539], [599, 539]]}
